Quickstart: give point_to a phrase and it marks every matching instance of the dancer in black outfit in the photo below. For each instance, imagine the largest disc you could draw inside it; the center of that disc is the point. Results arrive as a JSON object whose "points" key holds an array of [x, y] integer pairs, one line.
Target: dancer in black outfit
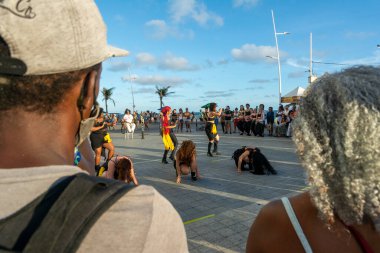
{"points": [[210, 129]]}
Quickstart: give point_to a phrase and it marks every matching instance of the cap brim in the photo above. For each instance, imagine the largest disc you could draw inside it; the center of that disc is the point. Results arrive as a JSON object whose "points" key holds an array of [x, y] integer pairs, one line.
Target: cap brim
{"points": [[115, 52]]}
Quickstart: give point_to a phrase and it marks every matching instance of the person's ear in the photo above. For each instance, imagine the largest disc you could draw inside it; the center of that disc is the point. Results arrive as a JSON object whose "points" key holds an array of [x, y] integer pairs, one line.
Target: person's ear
{"points": [[90, 90]]}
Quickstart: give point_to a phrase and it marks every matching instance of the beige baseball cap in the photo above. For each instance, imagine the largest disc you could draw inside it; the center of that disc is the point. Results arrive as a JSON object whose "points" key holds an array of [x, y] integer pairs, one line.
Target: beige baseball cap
{"points": [[53, 36]]}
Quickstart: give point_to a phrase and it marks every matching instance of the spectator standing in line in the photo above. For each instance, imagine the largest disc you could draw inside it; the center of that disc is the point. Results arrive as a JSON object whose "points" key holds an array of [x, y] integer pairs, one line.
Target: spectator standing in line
{"points": [[227, 118], [279, 114], [236, 118], [260, 121], [247, 120], [253, 121], [187, 116], [241, 121], [223, 121], [270, 120], [50, 70]]}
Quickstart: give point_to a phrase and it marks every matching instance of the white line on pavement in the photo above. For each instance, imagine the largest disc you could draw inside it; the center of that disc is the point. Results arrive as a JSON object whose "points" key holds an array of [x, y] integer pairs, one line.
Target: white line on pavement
{"points": [[210, 191]]}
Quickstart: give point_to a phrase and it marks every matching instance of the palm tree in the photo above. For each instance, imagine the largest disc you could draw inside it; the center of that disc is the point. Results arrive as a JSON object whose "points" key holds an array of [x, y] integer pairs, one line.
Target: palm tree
{"points": [[163, 92], [107, 94]]}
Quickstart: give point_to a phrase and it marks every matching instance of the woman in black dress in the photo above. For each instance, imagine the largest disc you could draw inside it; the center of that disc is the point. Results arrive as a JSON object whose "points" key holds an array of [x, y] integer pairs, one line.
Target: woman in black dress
{"points": [[210, 129], [100, 138]]}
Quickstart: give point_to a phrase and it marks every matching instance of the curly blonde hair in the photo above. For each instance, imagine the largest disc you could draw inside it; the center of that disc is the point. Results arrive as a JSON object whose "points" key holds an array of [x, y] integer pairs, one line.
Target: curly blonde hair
{"points": [[186, 152], [338, 140]]}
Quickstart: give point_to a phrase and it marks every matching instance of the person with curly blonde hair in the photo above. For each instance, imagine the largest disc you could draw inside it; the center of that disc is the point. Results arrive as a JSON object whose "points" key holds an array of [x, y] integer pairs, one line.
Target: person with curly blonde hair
{"points": [[337, 137], [186, 161]]}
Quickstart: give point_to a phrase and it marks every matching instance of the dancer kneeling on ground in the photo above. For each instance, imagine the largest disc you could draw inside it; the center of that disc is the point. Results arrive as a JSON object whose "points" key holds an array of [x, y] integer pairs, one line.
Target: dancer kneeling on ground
{"points": [[186, 161], [210, 129], [119, 168], [256, 161]]}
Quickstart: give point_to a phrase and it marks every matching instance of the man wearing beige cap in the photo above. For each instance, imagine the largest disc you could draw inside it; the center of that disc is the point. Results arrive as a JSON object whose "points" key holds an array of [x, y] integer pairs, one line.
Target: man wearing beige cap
{"points": [[50, 67]]}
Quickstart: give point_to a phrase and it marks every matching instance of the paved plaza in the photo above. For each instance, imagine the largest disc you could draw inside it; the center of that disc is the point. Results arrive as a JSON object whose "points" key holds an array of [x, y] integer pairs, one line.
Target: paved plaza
{"points": [[218, 209]]}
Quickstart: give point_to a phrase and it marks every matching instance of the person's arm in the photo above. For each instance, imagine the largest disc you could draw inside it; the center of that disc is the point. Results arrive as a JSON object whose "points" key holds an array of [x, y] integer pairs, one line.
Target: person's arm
{"points": [[241, 158], [194, 164], [218, 113], [178, 170], [134, 179], [111, 169]]}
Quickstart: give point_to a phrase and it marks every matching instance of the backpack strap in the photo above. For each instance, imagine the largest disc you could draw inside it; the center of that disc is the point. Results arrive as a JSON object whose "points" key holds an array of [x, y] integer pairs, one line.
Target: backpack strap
{"points": [[58, 220]]}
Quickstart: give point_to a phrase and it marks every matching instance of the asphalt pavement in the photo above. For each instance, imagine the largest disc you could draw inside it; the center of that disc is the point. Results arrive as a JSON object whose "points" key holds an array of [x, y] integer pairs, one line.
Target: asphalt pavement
{"points": [[219, 209]]}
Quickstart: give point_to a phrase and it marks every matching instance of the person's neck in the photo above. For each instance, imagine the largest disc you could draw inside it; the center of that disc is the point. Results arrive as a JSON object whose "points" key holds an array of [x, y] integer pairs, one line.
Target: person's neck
{"points": [[34, 140]]}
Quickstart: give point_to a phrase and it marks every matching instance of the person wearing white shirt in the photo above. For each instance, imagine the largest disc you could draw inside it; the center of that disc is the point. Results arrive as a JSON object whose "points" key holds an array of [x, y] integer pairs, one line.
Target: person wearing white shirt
{"points": [[128, 120]]}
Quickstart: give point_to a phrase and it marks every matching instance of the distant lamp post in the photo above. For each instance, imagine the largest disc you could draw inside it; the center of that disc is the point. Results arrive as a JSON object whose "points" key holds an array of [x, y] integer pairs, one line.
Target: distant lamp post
{"points": [[133, 97], [278, 56]]}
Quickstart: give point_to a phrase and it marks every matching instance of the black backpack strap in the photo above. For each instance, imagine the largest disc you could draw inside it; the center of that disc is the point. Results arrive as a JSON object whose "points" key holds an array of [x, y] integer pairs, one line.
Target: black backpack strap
{"points": [[58, 220]]}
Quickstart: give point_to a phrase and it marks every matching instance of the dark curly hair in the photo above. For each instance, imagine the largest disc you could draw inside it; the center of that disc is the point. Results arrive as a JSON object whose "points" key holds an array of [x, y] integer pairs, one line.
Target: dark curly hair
{"points": [[123, 170], [35, 93], [186, 151], [212, 107]]}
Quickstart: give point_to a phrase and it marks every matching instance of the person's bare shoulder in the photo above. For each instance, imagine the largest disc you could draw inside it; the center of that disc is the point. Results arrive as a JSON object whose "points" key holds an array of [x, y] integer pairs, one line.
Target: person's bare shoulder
{"points": [[266, 229]]}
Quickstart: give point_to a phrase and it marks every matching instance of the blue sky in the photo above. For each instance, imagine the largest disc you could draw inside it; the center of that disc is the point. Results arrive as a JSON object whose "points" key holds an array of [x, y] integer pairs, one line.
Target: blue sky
{"points": [[215, 50]]}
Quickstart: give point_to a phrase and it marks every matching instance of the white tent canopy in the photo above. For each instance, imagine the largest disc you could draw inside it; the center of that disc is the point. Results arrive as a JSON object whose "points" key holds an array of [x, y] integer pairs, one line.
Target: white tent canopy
{"points": [[293, 96]]}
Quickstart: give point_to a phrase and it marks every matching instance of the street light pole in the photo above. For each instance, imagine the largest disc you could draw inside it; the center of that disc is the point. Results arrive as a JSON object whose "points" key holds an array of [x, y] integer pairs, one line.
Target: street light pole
{"points": [[133, 97], [278, 56]]}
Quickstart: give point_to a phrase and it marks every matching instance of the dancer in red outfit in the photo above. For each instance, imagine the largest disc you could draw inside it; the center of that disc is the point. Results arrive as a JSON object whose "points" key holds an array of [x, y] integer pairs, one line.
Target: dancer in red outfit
{"points": [[167, 135]]}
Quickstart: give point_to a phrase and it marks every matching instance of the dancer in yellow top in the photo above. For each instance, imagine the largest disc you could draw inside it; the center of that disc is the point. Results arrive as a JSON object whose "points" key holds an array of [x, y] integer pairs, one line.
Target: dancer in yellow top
{"points": [[210, 129]]}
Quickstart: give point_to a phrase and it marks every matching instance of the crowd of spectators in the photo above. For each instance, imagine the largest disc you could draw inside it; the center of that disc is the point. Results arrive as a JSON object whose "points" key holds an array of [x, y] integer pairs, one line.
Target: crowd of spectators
{"points": [[254, 120]]}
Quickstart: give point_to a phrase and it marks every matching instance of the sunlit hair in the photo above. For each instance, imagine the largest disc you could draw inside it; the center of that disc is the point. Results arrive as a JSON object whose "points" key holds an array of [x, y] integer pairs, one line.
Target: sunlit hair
{"points": [[186, 151], [212, 107], [337, 136], [124, 170]]}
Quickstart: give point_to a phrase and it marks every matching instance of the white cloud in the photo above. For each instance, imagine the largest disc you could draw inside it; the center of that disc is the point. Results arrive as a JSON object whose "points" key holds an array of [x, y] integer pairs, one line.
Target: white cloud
{"points": [[360, 35], [297, 74], [119, 18], [223, 62], [118, 66], [252, 53], [144, 90], [159, 30], [145, 59], [179, 10], [371, 60], [302, 63], [245, 3], [172, 62], [157, 80], [218, 94], [159, 27], [260, 81]]}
